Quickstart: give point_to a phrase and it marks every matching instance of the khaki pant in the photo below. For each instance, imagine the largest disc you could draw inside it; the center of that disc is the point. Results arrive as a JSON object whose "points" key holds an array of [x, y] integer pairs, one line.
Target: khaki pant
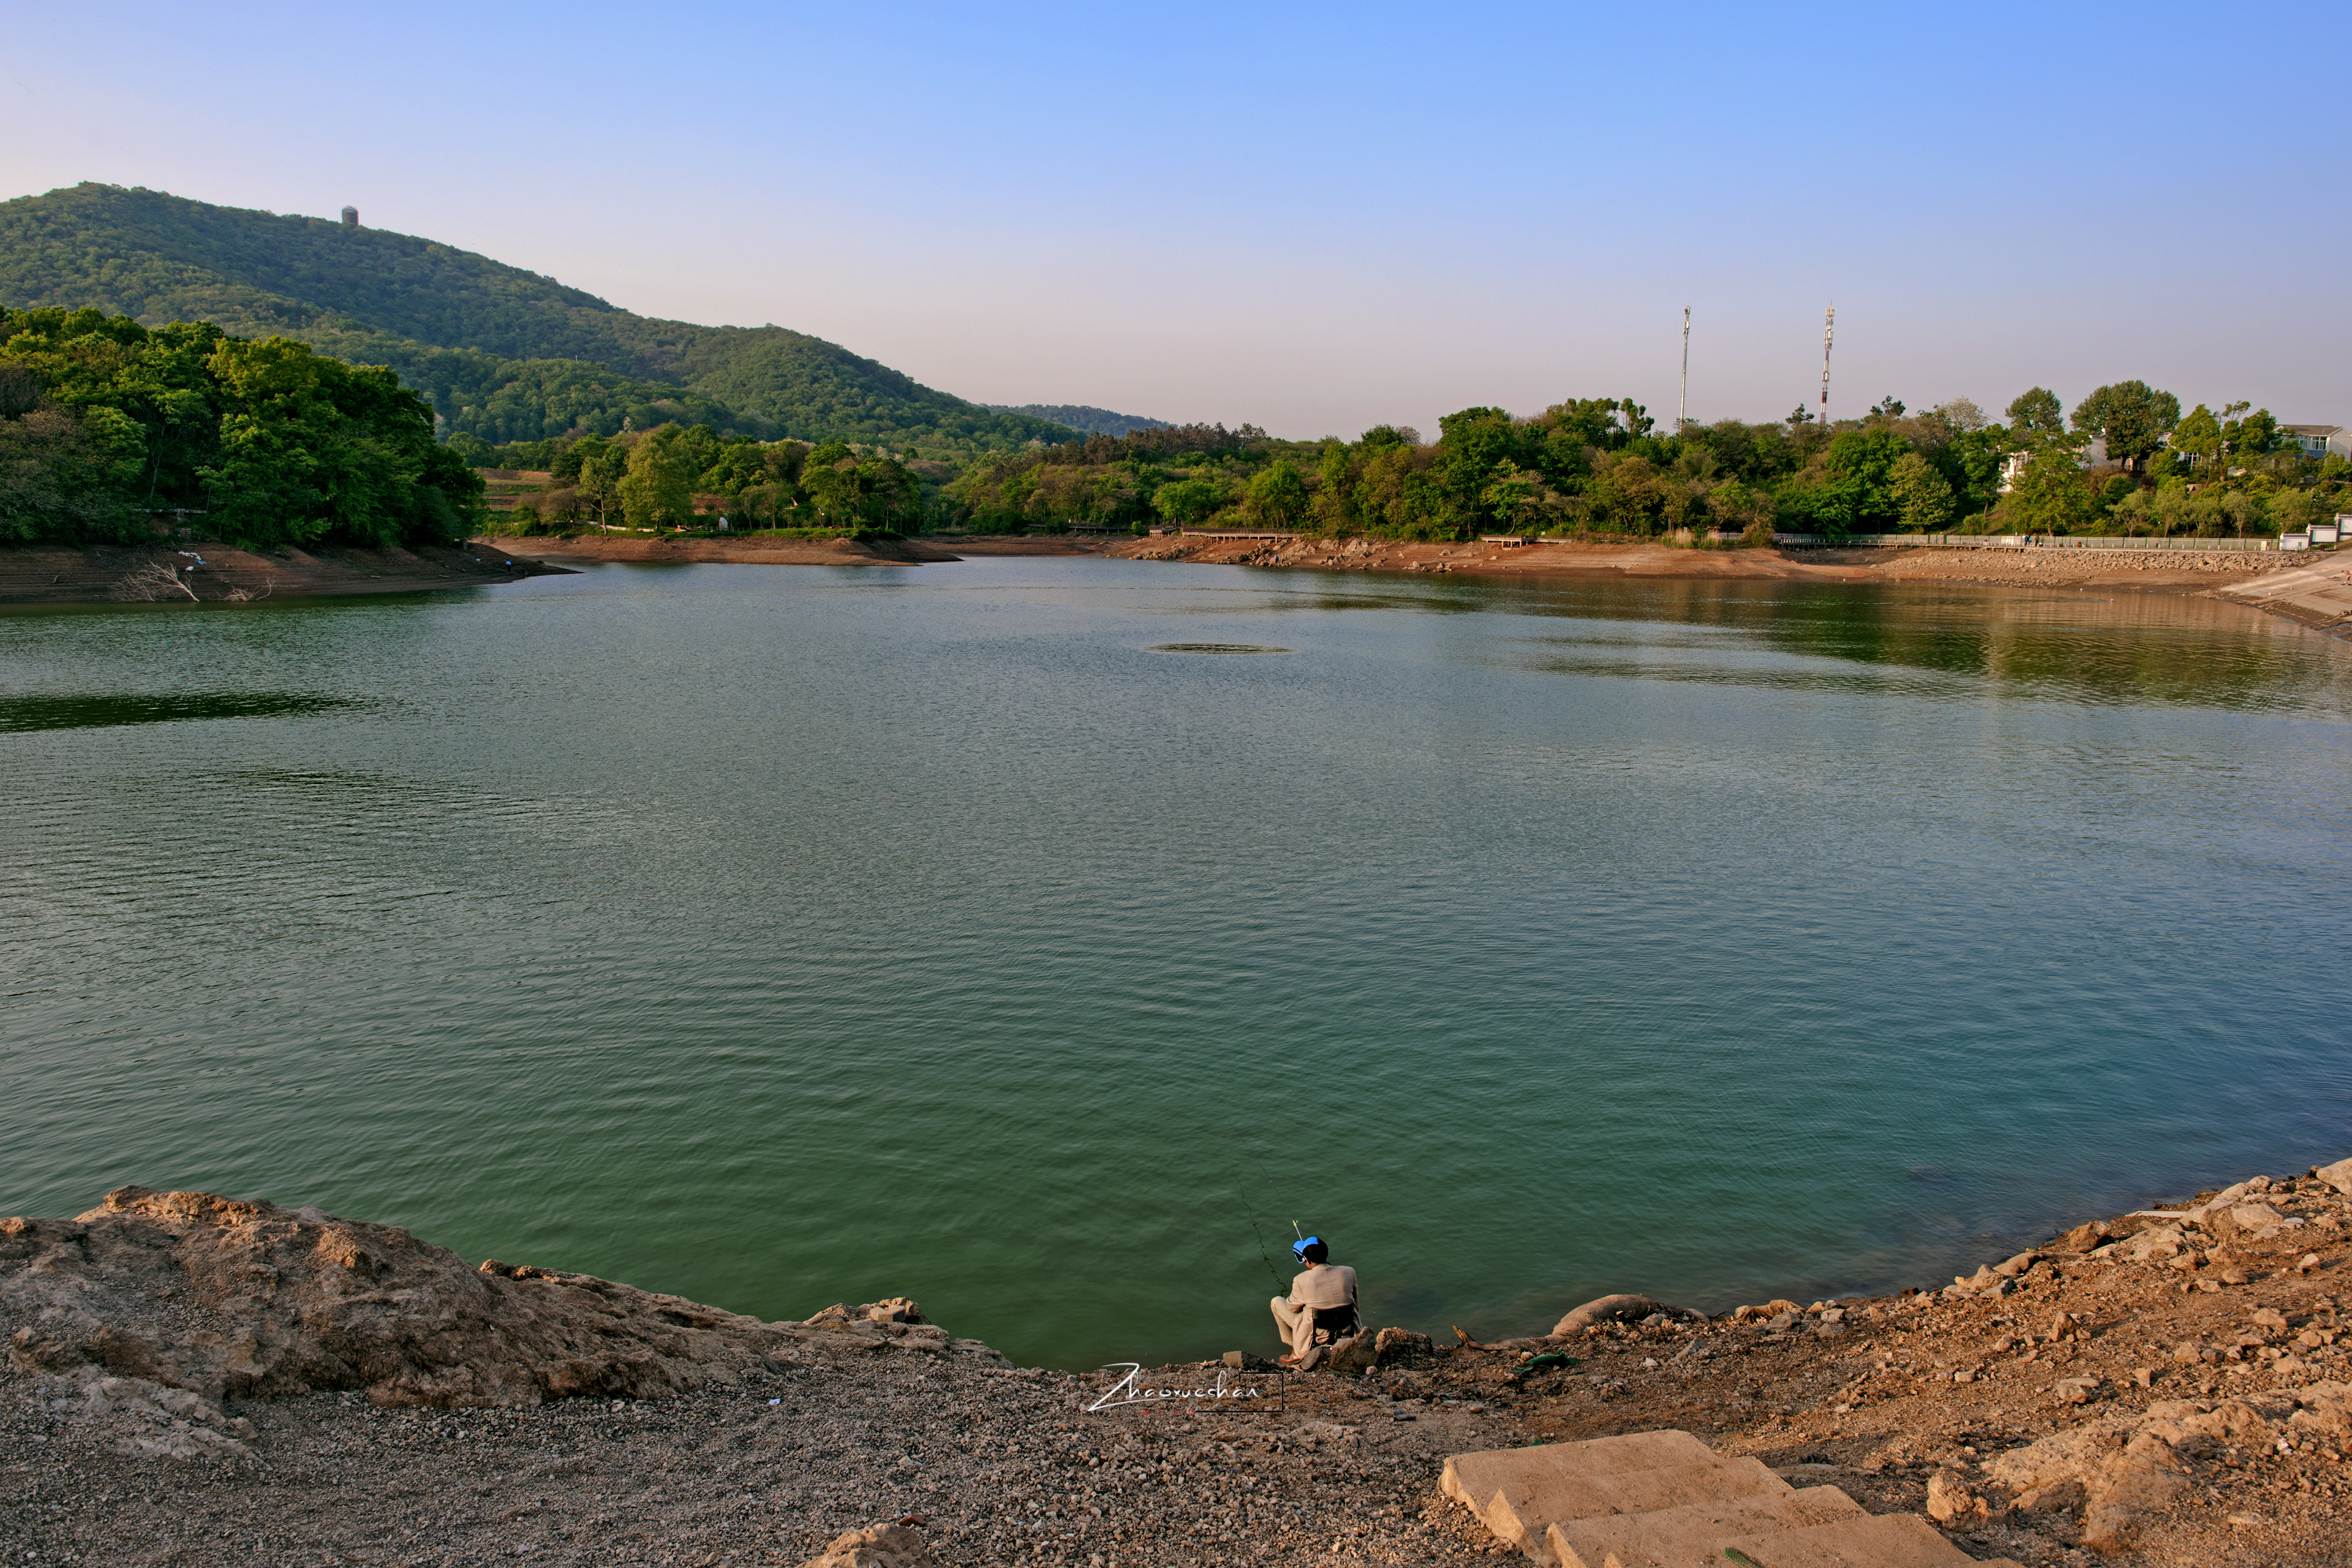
{"points": [[1297, 1324]]}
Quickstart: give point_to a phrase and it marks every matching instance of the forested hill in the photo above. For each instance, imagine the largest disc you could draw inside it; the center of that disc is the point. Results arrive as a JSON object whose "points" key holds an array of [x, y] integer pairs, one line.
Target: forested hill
{"points": [[1078, 416], [505, 354]]}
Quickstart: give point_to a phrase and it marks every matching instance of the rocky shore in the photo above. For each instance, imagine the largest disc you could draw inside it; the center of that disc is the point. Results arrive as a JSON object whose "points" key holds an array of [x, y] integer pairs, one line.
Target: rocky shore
{"points": [[2144, 570], [196, 1381]]}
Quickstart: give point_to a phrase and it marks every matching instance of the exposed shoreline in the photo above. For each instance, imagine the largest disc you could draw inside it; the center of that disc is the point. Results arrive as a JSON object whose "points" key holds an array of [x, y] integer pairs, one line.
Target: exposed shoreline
{"points": [[190, 1379], [102, 574], [2310, 593]]}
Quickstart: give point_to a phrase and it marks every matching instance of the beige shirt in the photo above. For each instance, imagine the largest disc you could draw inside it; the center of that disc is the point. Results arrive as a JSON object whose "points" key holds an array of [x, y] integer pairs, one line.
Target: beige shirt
{"points": [[1330, 1285]]}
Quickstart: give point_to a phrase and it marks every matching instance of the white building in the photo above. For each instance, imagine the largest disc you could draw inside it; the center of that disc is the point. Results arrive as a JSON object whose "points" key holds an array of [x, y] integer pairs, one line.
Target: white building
{"points": [[2320, 440]]}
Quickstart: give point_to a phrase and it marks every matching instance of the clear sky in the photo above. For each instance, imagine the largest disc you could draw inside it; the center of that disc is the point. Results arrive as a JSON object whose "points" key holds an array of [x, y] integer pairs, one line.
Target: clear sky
{"points": [[1315, 218]]}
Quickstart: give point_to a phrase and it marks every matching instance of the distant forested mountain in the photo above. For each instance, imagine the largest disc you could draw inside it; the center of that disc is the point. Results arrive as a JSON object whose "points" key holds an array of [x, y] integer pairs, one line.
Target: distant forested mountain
{"points": [[1078, 416], [504, 354]]}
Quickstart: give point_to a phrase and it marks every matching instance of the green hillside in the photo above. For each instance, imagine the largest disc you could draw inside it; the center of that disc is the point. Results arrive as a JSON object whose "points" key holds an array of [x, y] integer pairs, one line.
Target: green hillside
{"points": [[505, 354], [1085, 420]]}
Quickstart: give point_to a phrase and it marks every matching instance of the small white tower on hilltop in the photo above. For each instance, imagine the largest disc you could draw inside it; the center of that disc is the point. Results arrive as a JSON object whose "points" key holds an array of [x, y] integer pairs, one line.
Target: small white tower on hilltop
{"points": [[351, 217]]}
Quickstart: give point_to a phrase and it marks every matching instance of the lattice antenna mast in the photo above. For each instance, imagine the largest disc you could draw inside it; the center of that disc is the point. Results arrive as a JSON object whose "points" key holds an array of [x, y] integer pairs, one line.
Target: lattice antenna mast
{"points": [[1829, 331], [1681, 402]]}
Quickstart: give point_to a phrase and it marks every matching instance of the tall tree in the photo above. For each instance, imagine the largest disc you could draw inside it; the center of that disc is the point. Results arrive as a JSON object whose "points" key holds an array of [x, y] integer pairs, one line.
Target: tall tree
{"points": [[2132, 417], [2050, 496], [1277, 496], [2038, 417], [1922, 499], [2198, 436], [658, 491]]}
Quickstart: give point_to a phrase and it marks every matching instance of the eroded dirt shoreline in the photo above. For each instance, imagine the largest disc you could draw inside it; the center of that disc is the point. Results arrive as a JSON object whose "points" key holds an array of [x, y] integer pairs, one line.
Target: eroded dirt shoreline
{"points": [[217, 574], [192, 1381], [63, 576]]}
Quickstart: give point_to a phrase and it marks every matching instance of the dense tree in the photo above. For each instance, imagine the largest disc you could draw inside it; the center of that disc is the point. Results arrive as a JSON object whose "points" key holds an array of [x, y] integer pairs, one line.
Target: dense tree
{"points": [[2198, 436], [275, 443], [2131, 417], [2050, 496], [2037, 417], [1922, 498], [657, 490], [1276, 497], [1189, 502]]}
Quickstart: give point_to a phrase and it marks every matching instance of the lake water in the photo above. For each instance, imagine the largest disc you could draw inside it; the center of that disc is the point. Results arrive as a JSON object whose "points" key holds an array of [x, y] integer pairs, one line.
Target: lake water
{"points": [[784, 936]]}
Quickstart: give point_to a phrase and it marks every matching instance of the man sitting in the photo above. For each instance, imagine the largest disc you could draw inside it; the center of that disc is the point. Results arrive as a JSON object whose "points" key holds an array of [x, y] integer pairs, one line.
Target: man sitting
{"points": [[1321, 1306]]}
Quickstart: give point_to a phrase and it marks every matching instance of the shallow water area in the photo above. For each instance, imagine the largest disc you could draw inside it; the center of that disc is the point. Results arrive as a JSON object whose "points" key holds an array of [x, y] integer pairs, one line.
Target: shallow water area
{"points": [[779, 936]]}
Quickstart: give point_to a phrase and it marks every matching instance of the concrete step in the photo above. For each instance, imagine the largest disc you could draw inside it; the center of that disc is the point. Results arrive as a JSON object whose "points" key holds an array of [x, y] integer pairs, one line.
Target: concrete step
{"points": [[1523, 1511], [1664, 1499], [1873, 1541], [1473, 1479], [1691, 1533]]}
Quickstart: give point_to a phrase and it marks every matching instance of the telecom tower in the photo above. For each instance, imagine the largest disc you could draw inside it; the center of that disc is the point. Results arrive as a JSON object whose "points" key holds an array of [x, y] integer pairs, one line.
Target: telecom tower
{"points": [[1682, 402], [1829, 331]]}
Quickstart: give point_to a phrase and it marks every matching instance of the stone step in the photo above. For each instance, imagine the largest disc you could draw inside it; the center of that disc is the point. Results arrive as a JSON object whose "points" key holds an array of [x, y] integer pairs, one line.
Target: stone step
{"points": [[1522, 1512], [1473, 1479], [1873, 1541], [1664, 1499], [1691, 1533]]}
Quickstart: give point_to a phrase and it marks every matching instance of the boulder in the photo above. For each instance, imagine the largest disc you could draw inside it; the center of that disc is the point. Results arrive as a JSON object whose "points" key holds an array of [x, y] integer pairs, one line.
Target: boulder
{"points": [[1403, 1347], [1768, 1309], [1951, 1503], [1625, 1309], [2143, 1478], [2083, 1237], [2324, 1410], [885, 1545], [2338, 1175], [2252, 1219]]}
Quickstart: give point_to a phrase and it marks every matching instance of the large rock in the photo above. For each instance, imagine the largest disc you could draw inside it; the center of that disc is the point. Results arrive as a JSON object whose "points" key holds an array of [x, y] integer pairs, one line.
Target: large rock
{"points": [[2119, 1470], [885, 1545], [1622, 1309], [2338, 1175], [190, 1290]]}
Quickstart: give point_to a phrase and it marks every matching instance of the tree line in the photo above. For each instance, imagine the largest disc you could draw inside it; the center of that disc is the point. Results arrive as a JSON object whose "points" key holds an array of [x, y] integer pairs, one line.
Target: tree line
{"points": [[1602, 466], [690, 476], [106, 426]]}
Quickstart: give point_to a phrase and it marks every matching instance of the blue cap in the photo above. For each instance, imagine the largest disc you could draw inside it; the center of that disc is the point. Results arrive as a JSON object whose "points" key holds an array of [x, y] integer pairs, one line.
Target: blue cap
{"points": [[1298, 1249]]}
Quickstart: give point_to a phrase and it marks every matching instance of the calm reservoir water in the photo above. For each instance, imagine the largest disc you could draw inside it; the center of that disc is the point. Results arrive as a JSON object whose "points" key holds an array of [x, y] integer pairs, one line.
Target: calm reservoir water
{"points": [[781, 936]]}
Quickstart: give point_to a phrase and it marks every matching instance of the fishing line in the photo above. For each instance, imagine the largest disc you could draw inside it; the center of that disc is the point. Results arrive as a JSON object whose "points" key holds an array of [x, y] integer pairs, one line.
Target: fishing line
{"points": [[1272, 1272]]}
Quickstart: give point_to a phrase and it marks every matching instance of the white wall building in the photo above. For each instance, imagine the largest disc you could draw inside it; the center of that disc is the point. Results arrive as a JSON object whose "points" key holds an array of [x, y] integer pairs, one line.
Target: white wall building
{"points": [[2319, 440]]}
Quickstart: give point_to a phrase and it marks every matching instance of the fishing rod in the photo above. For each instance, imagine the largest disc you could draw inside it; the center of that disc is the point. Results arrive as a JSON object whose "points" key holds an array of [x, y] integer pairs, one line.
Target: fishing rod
{"points": [[1272, 1272]]}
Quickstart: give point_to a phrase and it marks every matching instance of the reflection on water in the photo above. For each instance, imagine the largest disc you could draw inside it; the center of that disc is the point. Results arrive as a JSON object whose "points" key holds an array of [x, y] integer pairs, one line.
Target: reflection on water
{"points": [[96, 712], [783, 936]]}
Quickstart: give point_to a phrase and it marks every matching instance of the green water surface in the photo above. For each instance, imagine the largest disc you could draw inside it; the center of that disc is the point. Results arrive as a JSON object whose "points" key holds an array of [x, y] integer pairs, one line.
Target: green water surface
{"points": [[780, 936]]}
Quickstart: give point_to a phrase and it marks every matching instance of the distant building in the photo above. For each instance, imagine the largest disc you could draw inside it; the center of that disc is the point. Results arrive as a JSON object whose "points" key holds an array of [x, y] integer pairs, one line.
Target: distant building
{"points": [[2319, 440], [351, 217]]}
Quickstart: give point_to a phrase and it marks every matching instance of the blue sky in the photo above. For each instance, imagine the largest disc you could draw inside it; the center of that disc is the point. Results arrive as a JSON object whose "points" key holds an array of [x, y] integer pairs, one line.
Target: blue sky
{"points": [[1315, 218]]}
